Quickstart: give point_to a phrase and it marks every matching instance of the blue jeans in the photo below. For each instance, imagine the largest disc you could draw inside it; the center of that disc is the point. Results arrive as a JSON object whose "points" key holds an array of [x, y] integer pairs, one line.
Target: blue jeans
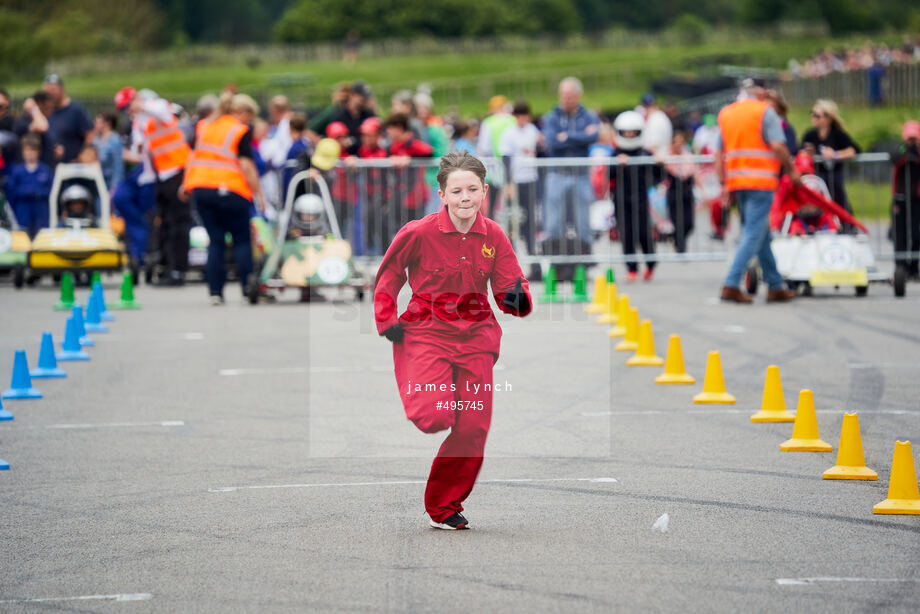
{"points": [[559, 183], [223, 213], [755, 239]]}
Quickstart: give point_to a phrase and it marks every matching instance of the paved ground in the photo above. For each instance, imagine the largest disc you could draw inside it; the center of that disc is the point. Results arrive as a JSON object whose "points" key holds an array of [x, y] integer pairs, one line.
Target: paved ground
{"points": [[258, 460]]}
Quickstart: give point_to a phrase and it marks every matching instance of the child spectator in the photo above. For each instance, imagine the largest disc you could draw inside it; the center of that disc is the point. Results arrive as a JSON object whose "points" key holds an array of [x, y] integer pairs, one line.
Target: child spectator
{"points": [[629, 186], [377, 212], [298, 156], [343, 183], [466, 133], [681, 177], [28, 185], [109, 149], [410, 186]]}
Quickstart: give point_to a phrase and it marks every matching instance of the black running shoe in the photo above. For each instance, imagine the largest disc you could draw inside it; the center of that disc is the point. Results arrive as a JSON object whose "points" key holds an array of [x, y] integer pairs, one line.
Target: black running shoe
{"points": [[454, 522]]}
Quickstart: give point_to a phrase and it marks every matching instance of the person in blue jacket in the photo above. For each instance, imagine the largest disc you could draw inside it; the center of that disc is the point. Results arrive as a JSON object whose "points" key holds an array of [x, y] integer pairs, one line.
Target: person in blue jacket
{"points": [[27, 187]]}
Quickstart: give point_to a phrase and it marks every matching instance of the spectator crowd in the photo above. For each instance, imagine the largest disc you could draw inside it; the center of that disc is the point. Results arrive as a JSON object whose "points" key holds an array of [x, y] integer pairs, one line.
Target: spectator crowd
{"points": [[379, 163]]}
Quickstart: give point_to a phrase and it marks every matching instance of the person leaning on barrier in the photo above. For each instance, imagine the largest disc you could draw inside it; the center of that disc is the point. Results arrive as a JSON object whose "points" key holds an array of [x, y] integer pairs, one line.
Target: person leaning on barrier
{"points": [[905, 206], [751, 153], [569, 129], [222, 178]]}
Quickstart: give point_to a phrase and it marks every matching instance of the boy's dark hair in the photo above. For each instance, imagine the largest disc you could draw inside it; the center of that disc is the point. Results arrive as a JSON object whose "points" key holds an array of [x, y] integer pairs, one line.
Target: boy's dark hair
{"points": [[111, 118], [520, 108], [400, 120], [4, 93], [298, 122], [41, 97], [460, 128], [32, 141], [460, 161]]}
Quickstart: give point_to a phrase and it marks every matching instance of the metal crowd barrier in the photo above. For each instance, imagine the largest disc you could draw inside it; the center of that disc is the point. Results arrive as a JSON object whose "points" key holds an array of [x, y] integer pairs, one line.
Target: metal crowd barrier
{"points": [[568, 211]]}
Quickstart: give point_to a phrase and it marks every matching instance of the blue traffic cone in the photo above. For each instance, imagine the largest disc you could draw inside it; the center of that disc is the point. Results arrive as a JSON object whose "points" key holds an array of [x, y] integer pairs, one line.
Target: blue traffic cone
{"points": [[104, 314], [4, 415], [85, 340], [21, 383], [4, 465], [47, 363], [70, 349], [93, 324]]}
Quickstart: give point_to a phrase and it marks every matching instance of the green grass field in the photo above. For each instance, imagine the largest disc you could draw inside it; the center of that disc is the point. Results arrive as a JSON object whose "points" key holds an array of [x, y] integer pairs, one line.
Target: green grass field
{"points": [[614, 77]]}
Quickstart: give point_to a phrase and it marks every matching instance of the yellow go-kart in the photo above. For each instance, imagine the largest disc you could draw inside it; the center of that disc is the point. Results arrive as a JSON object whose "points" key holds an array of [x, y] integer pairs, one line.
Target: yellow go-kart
{"points": [[77, 240], [14, 246]]}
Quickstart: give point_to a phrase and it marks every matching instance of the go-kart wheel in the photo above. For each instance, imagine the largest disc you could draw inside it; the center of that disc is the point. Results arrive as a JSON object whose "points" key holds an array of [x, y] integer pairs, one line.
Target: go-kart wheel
{"points": [[750, 280], [19, 277], [807, 289], [148, 275], [862, 290], [900, 281]]}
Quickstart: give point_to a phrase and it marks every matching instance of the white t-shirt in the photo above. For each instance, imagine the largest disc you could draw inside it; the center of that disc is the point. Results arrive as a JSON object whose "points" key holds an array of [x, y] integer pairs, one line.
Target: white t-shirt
{"points": [[706, 139], [518, 143], [658, 131]]}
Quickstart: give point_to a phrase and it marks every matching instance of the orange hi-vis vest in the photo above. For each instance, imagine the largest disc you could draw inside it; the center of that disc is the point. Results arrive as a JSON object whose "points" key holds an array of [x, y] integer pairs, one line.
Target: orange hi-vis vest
{"points": [[167, 146], [214, 162], [750, 163]]}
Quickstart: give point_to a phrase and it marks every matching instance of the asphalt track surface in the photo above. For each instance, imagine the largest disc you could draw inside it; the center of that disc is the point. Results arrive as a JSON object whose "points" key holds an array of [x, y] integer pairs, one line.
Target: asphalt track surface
{"points": [[257, 459]]}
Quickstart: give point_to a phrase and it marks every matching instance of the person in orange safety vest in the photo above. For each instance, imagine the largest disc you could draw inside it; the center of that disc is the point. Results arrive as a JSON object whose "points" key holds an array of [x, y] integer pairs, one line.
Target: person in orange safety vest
{"points": [[748, 161]]}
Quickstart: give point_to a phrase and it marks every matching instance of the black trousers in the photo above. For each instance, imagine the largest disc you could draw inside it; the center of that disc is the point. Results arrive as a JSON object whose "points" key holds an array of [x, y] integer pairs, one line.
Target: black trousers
{"points": [[633, 222], [905, 226], [175, 223]]}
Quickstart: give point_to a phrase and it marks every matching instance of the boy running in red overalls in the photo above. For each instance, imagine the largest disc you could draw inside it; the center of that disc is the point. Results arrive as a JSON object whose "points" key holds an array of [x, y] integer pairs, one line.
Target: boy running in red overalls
{"points": [[447, 341]]}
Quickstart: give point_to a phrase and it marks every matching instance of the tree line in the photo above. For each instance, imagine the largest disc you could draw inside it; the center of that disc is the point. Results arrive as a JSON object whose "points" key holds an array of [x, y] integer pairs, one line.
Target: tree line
{"points": [[34, 31]]}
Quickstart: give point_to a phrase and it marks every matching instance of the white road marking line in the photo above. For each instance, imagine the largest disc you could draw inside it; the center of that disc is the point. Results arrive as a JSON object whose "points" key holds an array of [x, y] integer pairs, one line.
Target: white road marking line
{"points": [[295, 370], [118, 597], [497, 481], [736, 329], [884, 365], [654, 412], [101, 425], [810, 581]]}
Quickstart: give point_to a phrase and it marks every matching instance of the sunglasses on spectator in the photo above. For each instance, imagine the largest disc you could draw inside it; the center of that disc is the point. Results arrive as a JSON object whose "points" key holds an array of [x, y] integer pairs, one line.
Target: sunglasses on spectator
{"points": [[817, 115]]}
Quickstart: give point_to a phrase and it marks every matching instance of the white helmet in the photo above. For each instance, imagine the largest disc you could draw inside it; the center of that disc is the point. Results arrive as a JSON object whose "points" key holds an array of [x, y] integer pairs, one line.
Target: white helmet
{"points": [[75, 192], [308, 204], [625, 122]]}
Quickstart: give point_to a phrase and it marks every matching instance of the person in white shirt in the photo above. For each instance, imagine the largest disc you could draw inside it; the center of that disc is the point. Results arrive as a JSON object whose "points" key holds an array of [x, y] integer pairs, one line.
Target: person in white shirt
{"points": [[518, 142], [658, 132]]}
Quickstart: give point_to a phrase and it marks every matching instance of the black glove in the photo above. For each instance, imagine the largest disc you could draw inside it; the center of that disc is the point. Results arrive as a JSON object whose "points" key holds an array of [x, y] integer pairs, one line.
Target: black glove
{"points": [[516, 298], [394, 333]]}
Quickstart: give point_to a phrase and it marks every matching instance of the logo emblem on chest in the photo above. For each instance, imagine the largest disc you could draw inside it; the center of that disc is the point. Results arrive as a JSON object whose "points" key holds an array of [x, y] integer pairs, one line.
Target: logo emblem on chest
{"points": [[488, 252]]}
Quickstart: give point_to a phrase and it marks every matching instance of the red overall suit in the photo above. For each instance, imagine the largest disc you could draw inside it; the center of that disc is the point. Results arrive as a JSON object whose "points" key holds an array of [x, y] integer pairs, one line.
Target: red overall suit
{"points": [[444, 363]]}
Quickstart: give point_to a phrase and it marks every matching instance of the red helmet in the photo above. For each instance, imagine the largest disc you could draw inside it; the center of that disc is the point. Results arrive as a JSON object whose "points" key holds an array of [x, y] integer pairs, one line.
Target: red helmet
{"points": [[804, 164], [124, 97], [336, 129], [371, 125]]}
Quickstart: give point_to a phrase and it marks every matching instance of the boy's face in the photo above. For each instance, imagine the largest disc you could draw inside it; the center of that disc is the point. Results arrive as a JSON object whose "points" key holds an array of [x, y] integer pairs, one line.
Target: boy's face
{"points": [[394, 133], [30, 155], [523, 119], [370, 139]]}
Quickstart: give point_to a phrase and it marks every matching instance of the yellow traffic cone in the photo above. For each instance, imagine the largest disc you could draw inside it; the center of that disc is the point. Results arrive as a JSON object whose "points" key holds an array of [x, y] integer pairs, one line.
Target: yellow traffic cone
{"points": [[600, 296], [645, 354], [714, 383], [622, 316], [851, 464], [773, 406], [903, 494], [805, 430], [609, 314], [674, 370], [630, 342]]}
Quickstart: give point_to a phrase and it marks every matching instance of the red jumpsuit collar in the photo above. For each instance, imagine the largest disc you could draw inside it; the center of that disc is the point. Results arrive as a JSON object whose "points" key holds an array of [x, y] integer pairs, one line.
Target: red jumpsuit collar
{"points": [[447, 226]]}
